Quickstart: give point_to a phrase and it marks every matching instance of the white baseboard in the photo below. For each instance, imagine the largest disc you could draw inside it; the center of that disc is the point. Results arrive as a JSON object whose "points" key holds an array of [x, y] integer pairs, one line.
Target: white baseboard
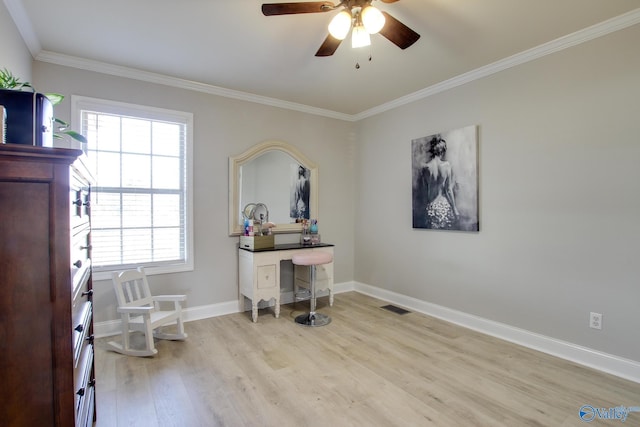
{"points": [[112, 327], [611, 364]]}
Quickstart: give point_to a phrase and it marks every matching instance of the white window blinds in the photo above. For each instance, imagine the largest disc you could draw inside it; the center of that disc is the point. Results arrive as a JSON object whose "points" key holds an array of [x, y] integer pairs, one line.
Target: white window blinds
{"points": [[140, 206]]}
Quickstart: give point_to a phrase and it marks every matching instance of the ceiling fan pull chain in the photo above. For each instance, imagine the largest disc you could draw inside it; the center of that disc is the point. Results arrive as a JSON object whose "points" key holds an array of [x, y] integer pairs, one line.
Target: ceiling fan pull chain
{"points": [[369, 58]]}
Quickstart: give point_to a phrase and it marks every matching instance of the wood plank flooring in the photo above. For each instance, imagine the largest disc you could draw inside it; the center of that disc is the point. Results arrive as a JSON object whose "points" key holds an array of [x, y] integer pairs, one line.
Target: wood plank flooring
{"points": [[369, 367]]}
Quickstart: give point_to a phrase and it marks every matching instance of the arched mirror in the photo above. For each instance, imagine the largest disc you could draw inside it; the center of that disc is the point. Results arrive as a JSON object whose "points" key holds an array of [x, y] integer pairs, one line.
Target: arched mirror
{"points": [[279, 176]]}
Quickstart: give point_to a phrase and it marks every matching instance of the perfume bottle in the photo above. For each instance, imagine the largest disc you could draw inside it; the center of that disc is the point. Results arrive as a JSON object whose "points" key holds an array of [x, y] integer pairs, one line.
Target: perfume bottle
{"points": [[305, 237]]}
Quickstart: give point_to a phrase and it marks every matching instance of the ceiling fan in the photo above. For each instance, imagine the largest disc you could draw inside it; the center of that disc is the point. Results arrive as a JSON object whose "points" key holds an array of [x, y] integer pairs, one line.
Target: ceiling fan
{"points": [[356, 15]]}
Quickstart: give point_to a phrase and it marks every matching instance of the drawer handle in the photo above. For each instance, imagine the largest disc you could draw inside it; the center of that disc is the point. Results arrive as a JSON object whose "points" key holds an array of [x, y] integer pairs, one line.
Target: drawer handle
{"points": [[86, 247], [92, 383], [79, 328], [88, 293], [90, 338], [77, 202], [78, 263], [80, 392]]}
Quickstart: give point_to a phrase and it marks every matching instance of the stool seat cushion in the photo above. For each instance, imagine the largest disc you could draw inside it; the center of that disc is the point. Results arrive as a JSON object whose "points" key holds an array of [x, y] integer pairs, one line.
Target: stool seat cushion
{"points": [[312, 258]]}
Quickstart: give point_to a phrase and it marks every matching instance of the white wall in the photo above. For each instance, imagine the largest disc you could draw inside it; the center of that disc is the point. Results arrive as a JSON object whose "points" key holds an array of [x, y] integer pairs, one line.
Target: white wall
{"points": [[14, 54], [224, 127], [559, 178]]}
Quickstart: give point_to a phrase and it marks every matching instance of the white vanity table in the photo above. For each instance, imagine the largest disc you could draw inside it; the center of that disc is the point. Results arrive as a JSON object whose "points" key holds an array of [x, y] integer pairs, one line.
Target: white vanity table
{"points": [[264, 175], [259, 273]]}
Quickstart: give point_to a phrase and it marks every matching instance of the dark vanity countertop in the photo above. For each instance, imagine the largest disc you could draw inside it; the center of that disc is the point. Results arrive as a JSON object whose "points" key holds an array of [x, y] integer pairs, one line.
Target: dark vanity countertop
{"points": [[288, 246]]}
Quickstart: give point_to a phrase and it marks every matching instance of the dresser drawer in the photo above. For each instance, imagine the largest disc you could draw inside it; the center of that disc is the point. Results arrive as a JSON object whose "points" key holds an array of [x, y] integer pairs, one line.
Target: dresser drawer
{"points": [[80, 201], [84, 416], [80, 255], [84, 386], [82, 319]]}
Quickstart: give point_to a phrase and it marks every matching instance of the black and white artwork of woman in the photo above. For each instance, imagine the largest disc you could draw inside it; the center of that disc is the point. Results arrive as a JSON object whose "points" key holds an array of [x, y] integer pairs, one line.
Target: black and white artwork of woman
{"points": [[445, 180], [300, 191]]}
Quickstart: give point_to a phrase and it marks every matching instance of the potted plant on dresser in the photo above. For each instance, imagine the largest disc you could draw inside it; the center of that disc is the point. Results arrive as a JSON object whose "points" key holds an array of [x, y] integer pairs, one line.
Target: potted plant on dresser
{"points": [[27, 116]]}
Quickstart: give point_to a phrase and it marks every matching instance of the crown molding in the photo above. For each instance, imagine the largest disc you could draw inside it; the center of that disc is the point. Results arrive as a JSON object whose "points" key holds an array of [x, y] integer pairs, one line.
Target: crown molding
{"points": [[149, 77], [598, 30]]}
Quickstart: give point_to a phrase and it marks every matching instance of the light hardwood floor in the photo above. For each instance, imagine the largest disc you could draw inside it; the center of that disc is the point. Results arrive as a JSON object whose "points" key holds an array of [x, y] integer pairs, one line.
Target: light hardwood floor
{"points": [[369, 367]]}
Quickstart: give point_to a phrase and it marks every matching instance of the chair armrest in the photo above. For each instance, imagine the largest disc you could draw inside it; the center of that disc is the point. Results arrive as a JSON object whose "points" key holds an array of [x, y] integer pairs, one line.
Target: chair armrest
{"points": [[163, 298], [135, 310]]}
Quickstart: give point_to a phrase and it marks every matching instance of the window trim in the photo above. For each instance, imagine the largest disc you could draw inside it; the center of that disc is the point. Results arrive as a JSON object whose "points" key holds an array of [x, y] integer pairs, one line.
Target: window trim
{"points": [[79, 103]]}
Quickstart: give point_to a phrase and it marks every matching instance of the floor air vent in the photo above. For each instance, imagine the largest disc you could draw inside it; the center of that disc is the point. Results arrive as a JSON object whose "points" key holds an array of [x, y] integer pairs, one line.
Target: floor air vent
{"points": [[395, 309]]}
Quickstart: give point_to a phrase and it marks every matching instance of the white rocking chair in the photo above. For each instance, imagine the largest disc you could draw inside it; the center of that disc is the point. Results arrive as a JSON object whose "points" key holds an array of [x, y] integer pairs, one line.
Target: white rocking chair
{"points": [[140, 311]]}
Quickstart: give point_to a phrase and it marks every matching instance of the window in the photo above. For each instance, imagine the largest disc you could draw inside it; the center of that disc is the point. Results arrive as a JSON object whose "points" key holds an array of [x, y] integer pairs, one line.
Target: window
{"points": [[141, 201]]}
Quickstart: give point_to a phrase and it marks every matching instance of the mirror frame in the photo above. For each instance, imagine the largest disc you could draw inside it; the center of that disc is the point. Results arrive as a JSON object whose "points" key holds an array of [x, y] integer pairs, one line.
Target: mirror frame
{"points": [[235, 162]]}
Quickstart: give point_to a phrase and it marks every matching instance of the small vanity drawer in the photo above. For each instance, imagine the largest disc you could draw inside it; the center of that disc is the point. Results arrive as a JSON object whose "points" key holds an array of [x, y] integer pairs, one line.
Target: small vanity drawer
{"points": [[266, 276]]}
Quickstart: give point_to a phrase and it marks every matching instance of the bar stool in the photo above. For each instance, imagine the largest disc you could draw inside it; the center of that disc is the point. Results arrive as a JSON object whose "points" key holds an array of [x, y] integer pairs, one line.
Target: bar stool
{"points": [[311, 259]]}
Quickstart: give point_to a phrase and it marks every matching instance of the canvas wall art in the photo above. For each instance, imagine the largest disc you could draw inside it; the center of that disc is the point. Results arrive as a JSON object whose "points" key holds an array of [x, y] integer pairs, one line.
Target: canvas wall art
{"points": [[445, 180]]}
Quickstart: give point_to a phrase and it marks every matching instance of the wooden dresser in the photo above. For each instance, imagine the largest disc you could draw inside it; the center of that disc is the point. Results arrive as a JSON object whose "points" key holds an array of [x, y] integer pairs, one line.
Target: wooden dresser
{"points": [[46, 326]]}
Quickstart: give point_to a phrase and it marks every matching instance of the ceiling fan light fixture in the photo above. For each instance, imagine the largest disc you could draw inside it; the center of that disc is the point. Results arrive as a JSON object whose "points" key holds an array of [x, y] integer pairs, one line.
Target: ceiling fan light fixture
{"points": [[360, 37], [340, 25], [372, 19]]}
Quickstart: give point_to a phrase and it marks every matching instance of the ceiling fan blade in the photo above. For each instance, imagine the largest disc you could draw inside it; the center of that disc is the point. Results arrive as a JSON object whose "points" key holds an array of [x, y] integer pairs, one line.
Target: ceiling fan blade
{"points": [[270, 9], [329, 46], [398, 33]]}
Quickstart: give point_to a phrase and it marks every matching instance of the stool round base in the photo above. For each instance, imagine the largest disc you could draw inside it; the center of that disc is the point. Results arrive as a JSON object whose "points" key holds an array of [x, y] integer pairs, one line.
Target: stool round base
{"points": [[313, 319]]}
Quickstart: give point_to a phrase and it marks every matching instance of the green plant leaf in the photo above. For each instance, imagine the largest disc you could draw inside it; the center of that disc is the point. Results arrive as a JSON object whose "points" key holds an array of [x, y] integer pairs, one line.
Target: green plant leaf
{"points": [[9, 81], [75, 135], [55, 98], [62, 123]]}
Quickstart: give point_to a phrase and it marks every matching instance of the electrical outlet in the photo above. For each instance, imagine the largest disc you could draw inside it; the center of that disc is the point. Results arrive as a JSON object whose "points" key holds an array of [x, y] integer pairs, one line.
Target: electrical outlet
{"points": [[595, 320]]}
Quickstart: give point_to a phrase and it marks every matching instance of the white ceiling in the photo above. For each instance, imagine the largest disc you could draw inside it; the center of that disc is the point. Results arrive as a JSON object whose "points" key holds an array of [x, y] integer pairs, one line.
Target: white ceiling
{"points": [[229, 45]]}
